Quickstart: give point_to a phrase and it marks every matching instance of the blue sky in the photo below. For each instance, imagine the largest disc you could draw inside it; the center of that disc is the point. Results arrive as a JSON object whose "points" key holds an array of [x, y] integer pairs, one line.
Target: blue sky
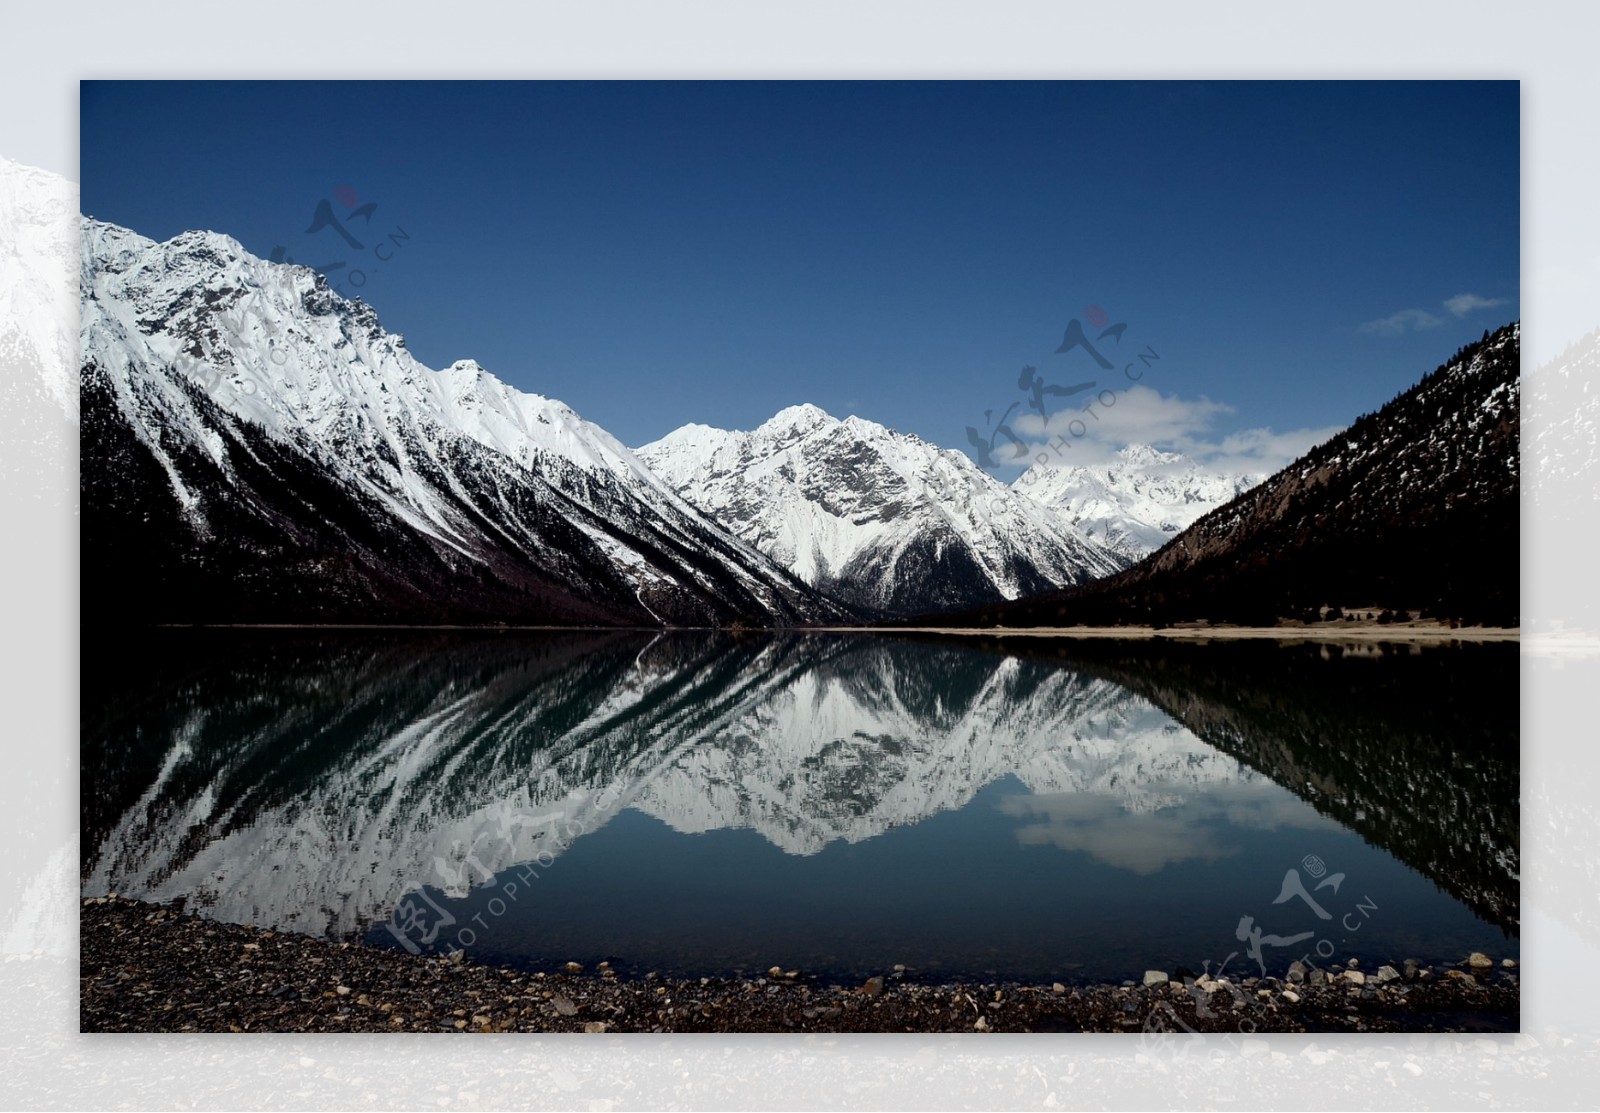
{"points": [[659, 253]]}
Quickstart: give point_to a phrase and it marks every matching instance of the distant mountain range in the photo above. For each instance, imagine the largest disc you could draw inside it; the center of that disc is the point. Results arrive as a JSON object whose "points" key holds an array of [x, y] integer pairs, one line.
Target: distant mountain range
{"points": [[883, 520], [1414, 507], [1136, 503], [258, 449]]}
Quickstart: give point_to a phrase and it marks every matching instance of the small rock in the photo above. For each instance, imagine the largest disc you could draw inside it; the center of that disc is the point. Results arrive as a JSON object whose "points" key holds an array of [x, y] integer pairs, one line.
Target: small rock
{"points": [[1480, 961], [342, 990], [594, 1027], [1353, 963], [900, 967], [457, 957], [775, 972], [1291, 996], [1509, 963], [1155, 977], [874, 986], [1355, 977], [1388, 974], [1318, 977], [1297, 971], [1058, 988], [564, 1005], [982, 1025], [574, 967], [1409, 969]]}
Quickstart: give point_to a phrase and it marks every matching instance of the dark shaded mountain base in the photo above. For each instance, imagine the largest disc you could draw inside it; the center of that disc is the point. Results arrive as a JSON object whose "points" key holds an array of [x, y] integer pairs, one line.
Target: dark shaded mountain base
{"points": [[1413, 508]]}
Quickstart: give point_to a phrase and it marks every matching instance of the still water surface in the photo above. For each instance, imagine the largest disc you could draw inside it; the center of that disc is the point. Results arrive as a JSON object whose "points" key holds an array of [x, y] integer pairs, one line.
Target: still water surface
{"points": [[698, 803]]}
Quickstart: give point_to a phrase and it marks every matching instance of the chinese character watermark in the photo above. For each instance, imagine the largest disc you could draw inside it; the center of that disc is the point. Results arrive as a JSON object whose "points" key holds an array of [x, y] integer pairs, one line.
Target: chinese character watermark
{"points": [[999, 443], [324, 218], [1165, 1020]]}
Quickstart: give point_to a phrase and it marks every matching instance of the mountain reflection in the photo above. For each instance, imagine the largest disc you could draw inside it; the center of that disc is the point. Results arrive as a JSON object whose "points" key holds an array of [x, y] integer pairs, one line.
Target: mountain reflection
{"points": [[310, 781]]}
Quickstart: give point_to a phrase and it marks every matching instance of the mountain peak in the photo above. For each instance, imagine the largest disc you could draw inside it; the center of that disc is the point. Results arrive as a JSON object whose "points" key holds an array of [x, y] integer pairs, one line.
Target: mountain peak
{"points": [[1414, 507], [801, 418], [1144, 456], [1136, 502], [880, 519], [236, 385]]}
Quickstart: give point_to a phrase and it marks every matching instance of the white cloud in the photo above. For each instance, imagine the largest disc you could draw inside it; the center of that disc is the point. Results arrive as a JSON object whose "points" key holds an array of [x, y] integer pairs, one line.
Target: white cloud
{"points": [[1416, 320], [1198, 827], [1462, 304], [1138, 415], [1142, 415], [1407, 320], [1261, 450]]}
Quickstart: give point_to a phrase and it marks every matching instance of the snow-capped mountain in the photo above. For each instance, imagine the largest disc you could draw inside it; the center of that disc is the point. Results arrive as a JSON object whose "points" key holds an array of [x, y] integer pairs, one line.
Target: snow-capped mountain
{"points": [[1414, 507], [38, 257], [1136, 503], [257, 448], [881, 519], [39, 505]]}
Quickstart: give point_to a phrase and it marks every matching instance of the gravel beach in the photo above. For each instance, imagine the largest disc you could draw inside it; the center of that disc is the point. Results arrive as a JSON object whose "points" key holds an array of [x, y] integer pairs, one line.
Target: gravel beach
{"points": [[146, 968]]}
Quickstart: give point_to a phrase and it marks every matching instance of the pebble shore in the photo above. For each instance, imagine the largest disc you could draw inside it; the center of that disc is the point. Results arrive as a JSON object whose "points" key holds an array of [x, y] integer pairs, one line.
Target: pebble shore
{"points": [[147, 968]]}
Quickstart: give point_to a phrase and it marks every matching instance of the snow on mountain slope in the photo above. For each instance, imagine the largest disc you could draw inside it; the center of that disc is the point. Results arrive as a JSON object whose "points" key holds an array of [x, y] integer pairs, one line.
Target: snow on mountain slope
{"points": [[38, 256], [1138, 502], [264, 450], [882, 519], [1413, 507], [39, 505]]}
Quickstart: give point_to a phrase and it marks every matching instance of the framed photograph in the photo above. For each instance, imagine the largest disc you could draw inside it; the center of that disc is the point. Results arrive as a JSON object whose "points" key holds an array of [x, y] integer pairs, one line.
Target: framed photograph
{"points": [[806, 556]]}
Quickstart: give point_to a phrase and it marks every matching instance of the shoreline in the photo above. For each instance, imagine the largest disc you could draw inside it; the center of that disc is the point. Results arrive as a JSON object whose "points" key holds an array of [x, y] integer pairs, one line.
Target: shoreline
{"points": [[150, 968], [1332, 632]]}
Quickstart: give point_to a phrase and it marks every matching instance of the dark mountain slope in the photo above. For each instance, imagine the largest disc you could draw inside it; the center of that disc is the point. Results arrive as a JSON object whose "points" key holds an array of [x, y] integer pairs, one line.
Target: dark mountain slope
{"points": [[1413, 507], [257, 449]]}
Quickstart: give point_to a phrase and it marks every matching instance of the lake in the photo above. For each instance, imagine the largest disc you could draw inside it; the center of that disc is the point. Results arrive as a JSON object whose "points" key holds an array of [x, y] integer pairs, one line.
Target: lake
{"points": [[710, 803]]}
